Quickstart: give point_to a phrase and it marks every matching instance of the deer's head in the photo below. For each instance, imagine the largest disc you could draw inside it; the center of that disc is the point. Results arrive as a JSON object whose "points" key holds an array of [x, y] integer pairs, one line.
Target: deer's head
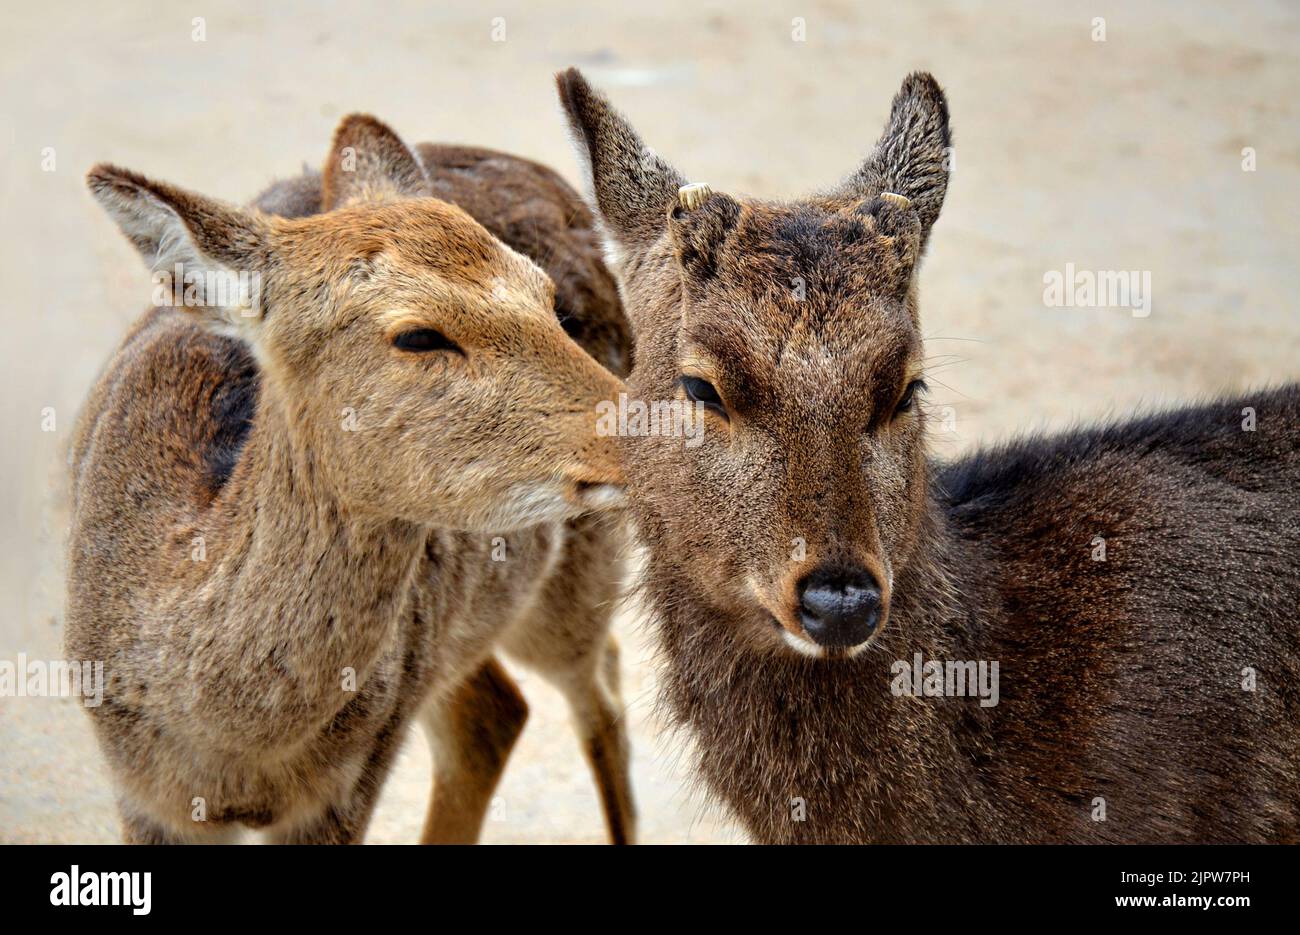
{"points": [[796, 326], [414, 356]]}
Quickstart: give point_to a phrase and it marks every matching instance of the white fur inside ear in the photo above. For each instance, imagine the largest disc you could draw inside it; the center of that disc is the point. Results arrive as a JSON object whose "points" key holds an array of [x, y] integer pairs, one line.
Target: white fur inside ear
{"points": [[224, 299], [612, 252]]}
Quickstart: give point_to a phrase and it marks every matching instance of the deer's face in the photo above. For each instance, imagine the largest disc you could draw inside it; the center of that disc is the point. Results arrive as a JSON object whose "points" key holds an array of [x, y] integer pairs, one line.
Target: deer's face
{"points": [[419, 359], [438, 382], [804, 491], [795, 325]]}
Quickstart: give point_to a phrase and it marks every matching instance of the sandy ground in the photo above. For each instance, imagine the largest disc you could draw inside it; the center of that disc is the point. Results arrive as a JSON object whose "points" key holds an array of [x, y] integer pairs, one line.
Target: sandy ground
{"points": [[1123, 154]]}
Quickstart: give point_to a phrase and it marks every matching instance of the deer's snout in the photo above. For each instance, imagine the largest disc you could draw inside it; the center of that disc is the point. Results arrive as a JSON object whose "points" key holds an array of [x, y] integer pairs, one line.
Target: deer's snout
{"points": [[840, 607], [596, 482]]}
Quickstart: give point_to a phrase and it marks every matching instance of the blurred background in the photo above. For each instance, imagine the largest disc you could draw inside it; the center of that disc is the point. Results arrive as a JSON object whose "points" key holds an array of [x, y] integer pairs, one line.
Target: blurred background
{"points": [[1171, 144]]}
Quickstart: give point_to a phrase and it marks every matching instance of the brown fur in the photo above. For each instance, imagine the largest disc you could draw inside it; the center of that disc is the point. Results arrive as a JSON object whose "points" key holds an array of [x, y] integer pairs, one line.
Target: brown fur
{"points": [[330, 550], [1120, 679], [531, 209]]}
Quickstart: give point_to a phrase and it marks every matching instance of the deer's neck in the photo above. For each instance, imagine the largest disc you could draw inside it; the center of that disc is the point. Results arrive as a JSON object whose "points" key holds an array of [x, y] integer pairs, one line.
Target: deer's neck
{"points": [[294, 579], [942, 597]]}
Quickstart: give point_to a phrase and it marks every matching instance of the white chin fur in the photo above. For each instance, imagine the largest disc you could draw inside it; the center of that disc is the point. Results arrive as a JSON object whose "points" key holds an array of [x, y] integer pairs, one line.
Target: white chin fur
{"points": [[806, 647], [537, 504], [529, 505], [603, 497], [803, 646]]}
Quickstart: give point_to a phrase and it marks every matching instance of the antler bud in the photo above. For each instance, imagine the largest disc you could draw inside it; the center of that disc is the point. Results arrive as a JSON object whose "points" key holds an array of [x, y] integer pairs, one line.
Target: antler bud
{"points": [[692, 196], [901, 200]]}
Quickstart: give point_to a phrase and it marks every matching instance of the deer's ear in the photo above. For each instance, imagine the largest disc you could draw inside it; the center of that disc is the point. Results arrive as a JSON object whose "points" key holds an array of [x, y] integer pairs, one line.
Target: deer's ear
{"points": [[913, 155], [205, 254], [631, 187], [369, 162]]}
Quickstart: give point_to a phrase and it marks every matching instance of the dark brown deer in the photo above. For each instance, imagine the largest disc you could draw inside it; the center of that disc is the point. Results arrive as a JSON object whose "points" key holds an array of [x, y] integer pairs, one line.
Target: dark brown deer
{"points": [[1136, 582]]}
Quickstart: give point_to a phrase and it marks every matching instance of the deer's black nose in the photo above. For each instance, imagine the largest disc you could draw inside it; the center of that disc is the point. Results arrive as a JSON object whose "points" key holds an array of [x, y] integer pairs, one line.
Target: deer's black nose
{"points": [[839, 606]]}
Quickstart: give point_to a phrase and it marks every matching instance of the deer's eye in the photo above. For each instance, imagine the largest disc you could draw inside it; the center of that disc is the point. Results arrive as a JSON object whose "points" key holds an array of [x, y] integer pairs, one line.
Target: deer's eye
{"points": [[423, 340], [702, 391], [908, 398]]}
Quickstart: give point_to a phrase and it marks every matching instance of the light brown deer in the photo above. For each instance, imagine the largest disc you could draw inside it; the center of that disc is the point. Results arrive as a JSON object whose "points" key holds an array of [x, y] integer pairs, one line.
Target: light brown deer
{"points": [[806, 559], [301, 524], [533, 210]]}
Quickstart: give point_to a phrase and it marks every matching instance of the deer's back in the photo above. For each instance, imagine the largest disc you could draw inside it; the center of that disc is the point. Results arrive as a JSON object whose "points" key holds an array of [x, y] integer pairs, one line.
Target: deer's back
{"points": [[155, 445], [1142, 582], [1176, 513]]}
